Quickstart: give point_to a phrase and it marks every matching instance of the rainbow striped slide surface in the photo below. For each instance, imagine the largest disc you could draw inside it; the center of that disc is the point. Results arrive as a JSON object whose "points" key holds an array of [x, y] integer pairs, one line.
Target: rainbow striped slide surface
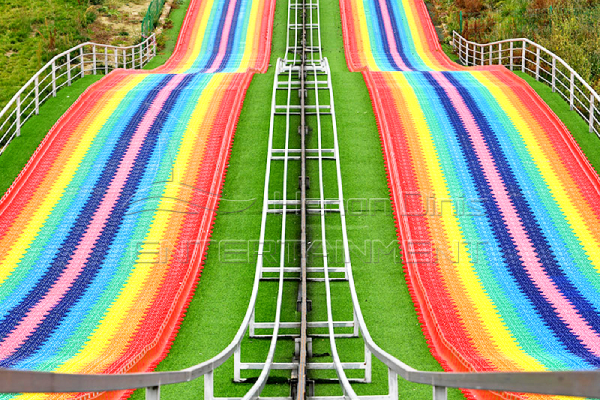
{"points": [[498, 211], [104, 231]]}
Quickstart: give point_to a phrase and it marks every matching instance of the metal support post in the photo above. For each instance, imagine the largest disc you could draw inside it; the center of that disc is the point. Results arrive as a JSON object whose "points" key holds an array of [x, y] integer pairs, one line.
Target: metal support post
{"points": [[237, 359], [209, 390], [592, 98], [481, 54], [37, 94], [572, 90], [368, 365], [153, 393], [94, 58], [53, 78], [69, 69], [19, 115], [440, 393], [500, 54], [553, 74], [524, 56], [81, 62], [392, 384], [537, 64]]}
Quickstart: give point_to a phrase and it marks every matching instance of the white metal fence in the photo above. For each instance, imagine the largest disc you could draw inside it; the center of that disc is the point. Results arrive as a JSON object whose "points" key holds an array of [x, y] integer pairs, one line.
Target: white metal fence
{"points": [[62, 70], [539, 62]]}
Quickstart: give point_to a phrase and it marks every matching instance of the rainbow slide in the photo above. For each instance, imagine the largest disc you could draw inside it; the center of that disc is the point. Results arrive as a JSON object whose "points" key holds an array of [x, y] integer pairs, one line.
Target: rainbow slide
{"points": [[497, 209], [105, 229]]}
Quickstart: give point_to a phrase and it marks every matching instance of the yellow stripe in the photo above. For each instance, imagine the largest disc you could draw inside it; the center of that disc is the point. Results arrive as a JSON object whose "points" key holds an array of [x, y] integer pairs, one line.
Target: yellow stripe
{"points": [[500, 336], [249, 51], [118, 316], [364, 36], [525, 127], [194, 53], [417, 34]]}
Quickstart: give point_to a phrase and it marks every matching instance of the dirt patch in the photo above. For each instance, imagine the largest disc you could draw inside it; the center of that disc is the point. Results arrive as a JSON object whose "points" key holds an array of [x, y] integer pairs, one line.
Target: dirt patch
{"points": [[117, 22]]}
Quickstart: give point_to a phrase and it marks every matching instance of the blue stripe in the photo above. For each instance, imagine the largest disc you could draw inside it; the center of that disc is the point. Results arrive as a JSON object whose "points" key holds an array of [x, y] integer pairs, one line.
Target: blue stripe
{"points": [[508, 248]]}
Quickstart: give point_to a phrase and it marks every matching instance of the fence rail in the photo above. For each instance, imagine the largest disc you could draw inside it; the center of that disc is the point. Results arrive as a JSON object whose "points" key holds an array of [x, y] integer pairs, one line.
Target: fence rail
{"points": [[539, 62], [63, 70]]}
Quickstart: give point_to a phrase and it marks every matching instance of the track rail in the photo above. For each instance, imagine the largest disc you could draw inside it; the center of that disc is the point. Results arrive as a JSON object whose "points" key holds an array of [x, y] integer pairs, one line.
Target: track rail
{"points": [[301, 387]]}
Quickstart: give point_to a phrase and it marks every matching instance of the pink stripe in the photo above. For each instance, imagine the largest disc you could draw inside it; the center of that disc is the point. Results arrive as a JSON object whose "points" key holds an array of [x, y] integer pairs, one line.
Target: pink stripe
{"points": [[390, 36], [72, 270], [224, 38], [566, 311]]}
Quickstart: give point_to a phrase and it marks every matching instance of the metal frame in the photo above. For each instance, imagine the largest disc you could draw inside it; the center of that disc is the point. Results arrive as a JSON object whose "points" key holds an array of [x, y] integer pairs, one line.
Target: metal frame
{"points": [[540, 63], [62, 70], [288, 77]]}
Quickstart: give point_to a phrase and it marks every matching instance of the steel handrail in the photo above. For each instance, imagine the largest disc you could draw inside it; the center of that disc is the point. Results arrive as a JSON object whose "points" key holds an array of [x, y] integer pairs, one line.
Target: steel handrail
{"points": [[54, 73], [64, 53], [467, 50]]}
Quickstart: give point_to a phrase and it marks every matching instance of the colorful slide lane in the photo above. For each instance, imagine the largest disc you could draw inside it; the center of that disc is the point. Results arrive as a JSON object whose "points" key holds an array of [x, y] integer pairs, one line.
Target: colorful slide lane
{"points": [[498, 210], [104, 231]]}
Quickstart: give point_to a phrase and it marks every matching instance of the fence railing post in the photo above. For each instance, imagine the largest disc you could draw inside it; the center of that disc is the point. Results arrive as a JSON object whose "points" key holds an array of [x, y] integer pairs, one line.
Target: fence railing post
{"points": [[592, 99], [125, 58], [500, 54], [524, 56], [69, 69], [105, 60], [512, 50], [572, 89], [53, 77], [81, 61], [491, 47], [368, 365], [474, 56], [237, 360], [209, 391], [94, 58], [19, 115], [116, 57], [553, 74], [392, 384], [37, 94], [537, 64], [482, 60], [440, 393], [153, 393]]}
